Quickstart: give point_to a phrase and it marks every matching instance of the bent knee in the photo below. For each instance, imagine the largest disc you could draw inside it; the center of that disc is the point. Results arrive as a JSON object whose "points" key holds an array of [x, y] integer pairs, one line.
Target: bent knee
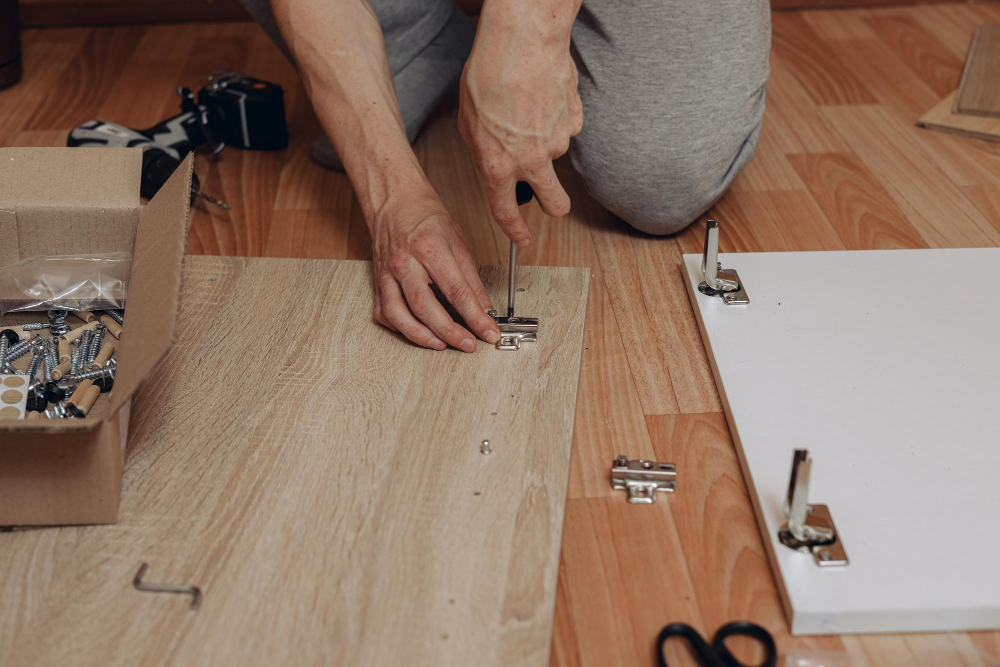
{"points": [[661, 176], [661, 191]]}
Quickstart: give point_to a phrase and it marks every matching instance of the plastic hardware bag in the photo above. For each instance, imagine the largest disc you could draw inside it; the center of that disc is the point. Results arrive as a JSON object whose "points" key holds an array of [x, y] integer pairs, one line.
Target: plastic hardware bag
{"points": [[65, 282]]}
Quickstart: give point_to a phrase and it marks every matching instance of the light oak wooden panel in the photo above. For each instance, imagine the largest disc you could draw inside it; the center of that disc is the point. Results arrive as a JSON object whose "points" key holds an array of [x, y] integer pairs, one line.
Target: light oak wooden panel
{"points": [[321, 479]]}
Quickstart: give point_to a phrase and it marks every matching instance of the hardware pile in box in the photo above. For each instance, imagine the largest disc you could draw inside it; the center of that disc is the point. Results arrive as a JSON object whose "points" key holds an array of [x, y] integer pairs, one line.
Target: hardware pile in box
{"points": [[70, 201]]}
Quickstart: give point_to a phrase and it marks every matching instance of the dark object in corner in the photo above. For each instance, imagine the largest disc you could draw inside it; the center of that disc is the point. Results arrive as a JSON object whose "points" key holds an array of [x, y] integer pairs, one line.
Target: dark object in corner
{"points": [[10, 44]]}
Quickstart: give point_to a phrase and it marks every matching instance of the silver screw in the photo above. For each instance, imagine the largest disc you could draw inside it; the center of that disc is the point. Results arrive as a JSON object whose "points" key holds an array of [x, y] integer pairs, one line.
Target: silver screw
{"points": [[4, 349], [33, 326], [105, 372], [51, 361], [16, 352], [485, 447], [58, 411], [825, 555], [74, 357], [94, 347], [85, 339], [36, 359], [117, 315]]}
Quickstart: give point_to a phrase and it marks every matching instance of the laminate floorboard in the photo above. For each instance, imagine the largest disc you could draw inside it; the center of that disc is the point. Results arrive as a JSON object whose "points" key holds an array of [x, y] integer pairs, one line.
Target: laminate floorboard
{"points": [[841, 164]]}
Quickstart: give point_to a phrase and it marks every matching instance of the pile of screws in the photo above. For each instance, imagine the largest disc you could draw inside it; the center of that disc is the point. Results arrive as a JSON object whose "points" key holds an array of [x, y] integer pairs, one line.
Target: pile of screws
{"points": [[69, 368]]}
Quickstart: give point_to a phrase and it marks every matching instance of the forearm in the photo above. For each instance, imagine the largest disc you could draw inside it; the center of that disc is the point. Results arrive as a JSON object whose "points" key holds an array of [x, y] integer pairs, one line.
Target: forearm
{"points": [[340, 52], [539, 21]]}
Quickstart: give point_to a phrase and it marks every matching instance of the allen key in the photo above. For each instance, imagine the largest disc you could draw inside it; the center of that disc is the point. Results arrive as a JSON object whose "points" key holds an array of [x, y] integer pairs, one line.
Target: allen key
{"points": [[193, 591]]}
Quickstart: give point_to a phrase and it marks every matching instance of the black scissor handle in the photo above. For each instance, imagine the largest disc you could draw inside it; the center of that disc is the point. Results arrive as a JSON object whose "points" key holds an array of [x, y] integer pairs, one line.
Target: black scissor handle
{"points": [[717, 655], [744, 629]]}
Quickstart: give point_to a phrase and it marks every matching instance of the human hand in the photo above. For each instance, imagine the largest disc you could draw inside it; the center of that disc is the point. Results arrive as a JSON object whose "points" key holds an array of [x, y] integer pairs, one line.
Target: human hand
{"points": [[519, 105], [414, 244]]}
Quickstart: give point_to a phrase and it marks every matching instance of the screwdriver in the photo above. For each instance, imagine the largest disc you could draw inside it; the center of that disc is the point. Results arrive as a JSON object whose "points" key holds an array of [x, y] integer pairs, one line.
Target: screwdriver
{"points": [[523, 192], [157, 166]]}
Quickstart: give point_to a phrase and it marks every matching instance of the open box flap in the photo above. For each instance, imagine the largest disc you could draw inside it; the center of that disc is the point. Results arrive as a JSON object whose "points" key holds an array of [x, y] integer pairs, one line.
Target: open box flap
{"points": [[70, 177], [60, 201], [154, 288]]}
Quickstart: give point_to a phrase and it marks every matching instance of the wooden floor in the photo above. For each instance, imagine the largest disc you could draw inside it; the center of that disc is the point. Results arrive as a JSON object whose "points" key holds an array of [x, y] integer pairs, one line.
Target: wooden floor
{"points": [[840, 165]]}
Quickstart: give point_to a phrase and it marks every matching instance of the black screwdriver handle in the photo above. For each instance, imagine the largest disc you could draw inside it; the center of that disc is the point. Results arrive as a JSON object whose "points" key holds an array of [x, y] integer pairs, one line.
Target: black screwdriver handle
{"points": [[523, 192]]}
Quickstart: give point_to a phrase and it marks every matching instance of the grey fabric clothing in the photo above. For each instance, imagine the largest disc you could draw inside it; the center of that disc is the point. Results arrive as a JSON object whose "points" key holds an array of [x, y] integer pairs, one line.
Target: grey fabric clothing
{"points": [[672, 91]]}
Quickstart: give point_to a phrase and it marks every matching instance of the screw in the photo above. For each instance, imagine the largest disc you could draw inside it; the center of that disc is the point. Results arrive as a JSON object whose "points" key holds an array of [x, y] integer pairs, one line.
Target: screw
{"points": [[4, 349], [85, 339], [104, 373], [74, 358], [94, 346], [825, 555], [33, 326], [58, 411], [51, 360], [117, 315], [485, 447], [36, 359]]}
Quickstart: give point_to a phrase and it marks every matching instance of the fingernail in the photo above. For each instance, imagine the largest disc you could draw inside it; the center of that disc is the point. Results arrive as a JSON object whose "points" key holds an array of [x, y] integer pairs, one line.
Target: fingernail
{"points": [[491, 336], [523, 243], [437, 344], [468, 345]]}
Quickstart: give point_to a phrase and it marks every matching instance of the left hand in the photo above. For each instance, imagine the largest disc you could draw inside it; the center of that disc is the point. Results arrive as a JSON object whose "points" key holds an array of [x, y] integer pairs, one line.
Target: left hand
{"points": [[519, 104]]}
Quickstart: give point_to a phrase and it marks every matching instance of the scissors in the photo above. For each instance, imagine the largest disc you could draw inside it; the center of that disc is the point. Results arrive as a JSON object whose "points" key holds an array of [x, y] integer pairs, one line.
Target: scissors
{"points": [[716, 654]]}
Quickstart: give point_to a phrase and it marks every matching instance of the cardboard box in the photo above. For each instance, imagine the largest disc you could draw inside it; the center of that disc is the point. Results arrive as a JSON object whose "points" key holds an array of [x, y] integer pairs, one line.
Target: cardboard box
{"points": [[56, 201]]}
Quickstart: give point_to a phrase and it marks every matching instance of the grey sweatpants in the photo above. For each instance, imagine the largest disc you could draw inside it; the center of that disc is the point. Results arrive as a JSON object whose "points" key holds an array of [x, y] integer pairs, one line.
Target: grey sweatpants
{"points": [[672, 92]]}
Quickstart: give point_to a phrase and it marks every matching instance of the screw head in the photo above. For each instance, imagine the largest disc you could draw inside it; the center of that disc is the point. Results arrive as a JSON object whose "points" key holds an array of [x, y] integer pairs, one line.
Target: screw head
{"points": [[485, 447]]}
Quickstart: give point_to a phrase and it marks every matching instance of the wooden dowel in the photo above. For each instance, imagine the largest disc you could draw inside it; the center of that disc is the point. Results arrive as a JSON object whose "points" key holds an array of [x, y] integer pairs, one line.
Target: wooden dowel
{"points": [[89, 398], [79, 392], [65, 350], [76, 333], [107, 349], [59, 371], [113, 327], [34, 415], [86, 316]]}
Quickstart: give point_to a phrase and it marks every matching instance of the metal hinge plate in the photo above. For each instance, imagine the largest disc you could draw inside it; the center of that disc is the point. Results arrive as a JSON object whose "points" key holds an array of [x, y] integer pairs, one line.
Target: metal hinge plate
{"points": [[809, 528], [641, 479], [515, 330], [724, 283]]}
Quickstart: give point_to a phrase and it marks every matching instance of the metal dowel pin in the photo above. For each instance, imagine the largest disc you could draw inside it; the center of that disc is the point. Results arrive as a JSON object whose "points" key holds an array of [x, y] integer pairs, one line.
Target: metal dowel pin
{"points": [[485, 447]]}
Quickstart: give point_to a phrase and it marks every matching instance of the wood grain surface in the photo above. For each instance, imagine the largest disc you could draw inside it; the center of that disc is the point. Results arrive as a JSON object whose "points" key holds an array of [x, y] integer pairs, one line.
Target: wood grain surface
{"points": [[321, 480], [977, 92], [840, 147], [943, 118]]}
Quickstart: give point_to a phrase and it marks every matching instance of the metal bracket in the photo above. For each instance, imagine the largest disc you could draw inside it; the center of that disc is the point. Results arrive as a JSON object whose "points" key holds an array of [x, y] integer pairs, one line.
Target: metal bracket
{"points": [[809, 528], [719, 281], [515, 330], [641, 479], [193, 591]]}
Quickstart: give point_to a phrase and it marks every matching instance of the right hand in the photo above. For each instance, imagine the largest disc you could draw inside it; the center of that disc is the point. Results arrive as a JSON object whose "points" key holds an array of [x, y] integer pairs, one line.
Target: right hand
{"points": [[414, 245]]}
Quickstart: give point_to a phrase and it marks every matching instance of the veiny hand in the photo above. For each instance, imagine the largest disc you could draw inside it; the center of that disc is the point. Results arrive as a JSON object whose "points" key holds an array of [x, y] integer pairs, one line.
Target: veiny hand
{"points": [[519, 105], [414, 245]]}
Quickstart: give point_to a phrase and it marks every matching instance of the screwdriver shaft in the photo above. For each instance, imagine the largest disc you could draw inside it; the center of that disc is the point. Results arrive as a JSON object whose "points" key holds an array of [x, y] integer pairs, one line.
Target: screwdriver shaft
{"points": [[511, 279], [210, 199]]}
